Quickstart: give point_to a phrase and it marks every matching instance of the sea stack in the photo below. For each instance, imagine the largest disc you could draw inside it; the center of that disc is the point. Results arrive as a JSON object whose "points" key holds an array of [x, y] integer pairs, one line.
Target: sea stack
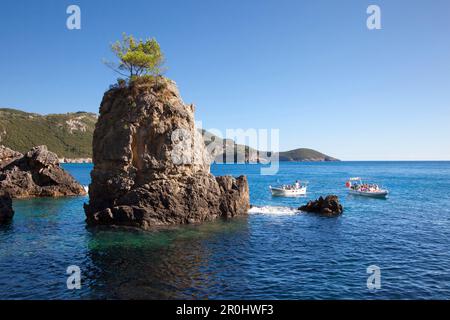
{"points": [[35, 174], [151, 167]]}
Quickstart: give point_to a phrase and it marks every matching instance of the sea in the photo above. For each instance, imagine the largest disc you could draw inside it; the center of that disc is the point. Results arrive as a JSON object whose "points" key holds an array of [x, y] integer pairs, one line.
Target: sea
{"points": [[394, 248]]}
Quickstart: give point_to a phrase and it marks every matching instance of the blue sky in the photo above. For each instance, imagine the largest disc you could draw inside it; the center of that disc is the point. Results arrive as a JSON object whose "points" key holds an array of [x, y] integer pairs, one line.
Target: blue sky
{"points": [[309, 68]]}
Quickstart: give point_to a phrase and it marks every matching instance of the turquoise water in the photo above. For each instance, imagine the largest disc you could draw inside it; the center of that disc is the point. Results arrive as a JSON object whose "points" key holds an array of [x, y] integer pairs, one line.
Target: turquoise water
{"points": [[275, 252]]}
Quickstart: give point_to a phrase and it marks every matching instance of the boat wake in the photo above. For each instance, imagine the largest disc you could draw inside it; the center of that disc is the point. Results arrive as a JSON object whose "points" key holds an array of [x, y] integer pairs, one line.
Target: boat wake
{"points": [[273, 210]]}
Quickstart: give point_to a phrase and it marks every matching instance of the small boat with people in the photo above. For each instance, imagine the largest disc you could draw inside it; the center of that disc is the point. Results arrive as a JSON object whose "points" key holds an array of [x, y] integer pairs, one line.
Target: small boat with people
{"points": [[357, 187], [293, 190]]}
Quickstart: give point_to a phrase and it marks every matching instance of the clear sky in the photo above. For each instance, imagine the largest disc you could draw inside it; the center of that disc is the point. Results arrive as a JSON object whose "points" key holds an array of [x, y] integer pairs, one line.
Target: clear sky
{"points": [[309, 68]]}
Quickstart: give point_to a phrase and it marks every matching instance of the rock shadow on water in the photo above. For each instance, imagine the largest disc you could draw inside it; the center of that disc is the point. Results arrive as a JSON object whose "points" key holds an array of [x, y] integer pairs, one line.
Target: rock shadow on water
{"points": [[179, 262], [43, 215]]}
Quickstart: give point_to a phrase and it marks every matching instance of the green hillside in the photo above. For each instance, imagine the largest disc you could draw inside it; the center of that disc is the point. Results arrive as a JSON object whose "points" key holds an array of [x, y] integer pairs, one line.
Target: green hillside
{"points": [[68, 135]]}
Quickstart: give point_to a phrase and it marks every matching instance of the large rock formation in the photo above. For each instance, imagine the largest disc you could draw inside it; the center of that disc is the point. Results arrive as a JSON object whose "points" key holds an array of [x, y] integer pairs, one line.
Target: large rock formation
{"points": [[6, 210], [329, 206], [35, 174], [150, 164]]}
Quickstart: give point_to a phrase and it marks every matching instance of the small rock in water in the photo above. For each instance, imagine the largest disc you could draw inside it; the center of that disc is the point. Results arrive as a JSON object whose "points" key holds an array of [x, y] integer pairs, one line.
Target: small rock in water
{"points": [[329, 206], [6, 211]]}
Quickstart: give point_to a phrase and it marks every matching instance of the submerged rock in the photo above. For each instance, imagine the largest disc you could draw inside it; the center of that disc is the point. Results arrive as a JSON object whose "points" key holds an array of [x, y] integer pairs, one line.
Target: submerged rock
{"points": [[37, 174], [6, 210], [151, 166], [329, 206]]}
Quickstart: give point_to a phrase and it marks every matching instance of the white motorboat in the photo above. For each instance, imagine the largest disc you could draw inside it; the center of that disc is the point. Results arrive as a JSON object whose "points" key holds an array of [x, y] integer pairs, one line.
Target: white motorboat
{"points": [[294, 190], [357, 187]]}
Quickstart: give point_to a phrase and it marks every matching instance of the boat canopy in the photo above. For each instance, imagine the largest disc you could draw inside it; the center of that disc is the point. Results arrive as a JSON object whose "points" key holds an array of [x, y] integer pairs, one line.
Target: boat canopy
{"points": [[355, 179]]}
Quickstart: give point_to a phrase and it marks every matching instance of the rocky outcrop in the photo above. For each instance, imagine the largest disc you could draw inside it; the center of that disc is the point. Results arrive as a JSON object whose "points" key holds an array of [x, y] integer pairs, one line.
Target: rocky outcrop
{"points": [[7, 156], [150, 163], [6, 210], [37, 174], [329, 206]]}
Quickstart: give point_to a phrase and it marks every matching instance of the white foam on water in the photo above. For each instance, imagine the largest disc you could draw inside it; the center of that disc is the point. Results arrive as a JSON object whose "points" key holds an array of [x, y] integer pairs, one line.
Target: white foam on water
{"points": [[86, 188], [273, 210]]}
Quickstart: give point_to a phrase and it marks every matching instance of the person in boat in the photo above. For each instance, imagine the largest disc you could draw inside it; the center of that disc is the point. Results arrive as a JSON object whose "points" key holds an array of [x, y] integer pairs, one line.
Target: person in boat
{"points": [[297, 184]]}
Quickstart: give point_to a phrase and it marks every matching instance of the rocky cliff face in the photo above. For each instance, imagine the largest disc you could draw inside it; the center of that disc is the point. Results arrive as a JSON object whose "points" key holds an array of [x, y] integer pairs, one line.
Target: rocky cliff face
{"points": [[35, 174], [150, 163]]}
